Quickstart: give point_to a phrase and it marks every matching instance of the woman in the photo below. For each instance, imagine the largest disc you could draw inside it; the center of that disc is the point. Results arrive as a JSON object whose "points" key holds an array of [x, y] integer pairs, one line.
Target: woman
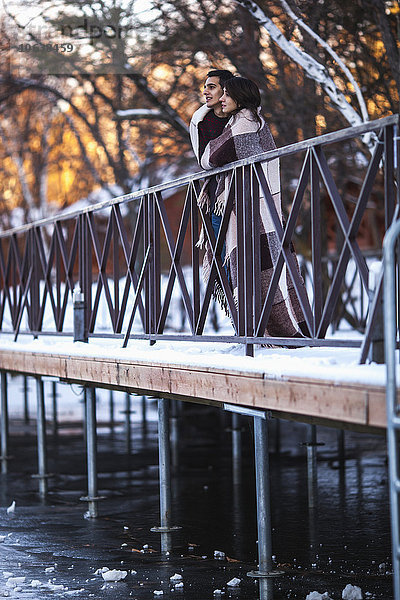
{"points": [[247, 134]]}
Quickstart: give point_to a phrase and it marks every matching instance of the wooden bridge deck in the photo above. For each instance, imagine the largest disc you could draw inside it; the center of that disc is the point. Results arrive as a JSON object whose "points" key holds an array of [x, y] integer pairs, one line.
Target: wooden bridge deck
{"points": [[332, 403]]}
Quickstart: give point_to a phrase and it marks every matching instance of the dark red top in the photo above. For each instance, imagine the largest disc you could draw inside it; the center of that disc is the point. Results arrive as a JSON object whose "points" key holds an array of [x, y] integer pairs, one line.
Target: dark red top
{"points": [[209, 128]]}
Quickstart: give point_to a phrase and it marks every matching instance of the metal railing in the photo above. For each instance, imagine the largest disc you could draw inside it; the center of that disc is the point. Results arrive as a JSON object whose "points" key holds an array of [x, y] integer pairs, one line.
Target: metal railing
{"points": [[115, 252], [391, 325]]}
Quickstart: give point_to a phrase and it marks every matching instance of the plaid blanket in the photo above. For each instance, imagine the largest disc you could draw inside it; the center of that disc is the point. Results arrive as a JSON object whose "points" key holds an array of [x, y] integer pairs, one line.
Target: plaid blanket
{"points": [[242, 138]]}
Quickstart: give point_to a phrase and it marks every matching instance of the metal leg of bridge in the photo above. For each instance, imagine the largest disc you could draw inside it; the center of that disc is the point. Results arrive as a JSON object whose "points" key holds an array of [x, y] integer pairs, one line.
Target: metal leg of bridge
{"points": [[128, 423], [26, 400], [174, 423], [164, 456], [341, 448], [83, 400], [55, 415], [91, 448], [312, 473], [265, 573], [144, 414], [236, 448], [42, 474], [111, 405], [277, 436], [4, 423]]}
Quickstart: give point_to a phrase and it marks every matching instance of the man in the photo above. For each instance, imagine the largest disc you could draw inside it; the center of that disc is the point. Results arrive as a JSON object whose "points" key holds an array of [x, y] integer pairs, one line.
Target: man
{"points": [[208, 121]]}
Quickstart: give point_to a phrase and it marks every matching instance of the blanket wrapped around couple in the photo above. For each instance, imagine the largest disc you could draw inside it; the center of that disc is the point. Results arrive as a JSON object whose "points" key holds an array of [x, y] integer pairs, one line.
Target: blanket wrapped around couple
{"points": [[244, 137]]}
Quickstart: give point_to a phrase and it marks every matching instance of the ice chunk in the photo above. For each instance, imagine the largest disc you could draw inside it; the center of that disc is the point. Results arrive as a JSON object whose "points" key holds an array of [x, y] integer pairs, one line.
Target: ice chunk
{"points": [[218, 592], [49, 570], [235, 582], [176, 577], [158, 592], [179, 585], [352, 592], [13, 582], [318, 596], [114, 575], [35, 583], [219, 555], [101, 571], [7, 574], [54, 587], [11, 508]]}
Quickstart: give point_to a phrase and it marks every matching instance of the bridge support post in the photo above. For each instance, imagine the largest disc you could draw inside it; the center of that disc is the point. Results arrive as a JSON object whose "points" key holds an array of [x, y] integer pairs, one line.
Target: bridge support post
{"points": [[174, 434], [111, 405], [91, 453], [26, 400], [164, 459], [55, 416], [42, 474], [144, 414], [265, 573], [4, 423], [236, 449], [312, 473], [341, 448], [128, 423]]}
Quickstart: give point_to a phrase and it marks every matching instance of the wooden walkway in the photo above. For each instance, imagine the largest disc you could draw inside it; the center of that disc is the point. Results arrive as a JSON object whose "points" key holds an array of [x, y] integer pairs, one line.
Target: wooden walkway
{"points": [[346, 405]]}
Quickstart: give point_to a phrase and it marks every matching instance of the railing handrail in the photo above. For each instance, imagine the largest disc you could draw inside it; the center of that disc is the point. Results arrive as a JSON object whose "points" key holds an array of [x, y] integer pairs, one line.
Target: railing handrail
{"points": [[327, 138]]}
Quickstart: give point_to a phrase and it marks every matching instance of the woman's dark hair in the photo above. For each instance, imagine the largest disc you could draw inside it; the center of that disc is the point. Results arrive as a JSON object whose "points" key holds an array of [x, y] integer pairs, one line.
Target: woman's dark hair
{"points": [[245, 93]]}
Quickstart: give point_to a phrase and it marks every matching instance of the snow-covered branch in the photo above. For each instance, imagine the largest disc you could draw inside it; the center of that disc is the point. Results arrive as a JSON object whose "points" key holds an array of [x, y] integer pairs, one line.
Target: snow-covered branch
{"points": [[138, 113], [334, 55], [166, 111], [312, 68]]}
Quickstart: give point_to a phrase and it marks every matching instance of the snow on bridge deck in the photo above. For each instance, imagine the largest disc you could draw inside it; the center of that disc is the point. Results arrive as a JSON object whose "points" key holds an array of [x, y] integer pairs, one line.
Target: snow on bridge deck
{"points": [[320, 385]]}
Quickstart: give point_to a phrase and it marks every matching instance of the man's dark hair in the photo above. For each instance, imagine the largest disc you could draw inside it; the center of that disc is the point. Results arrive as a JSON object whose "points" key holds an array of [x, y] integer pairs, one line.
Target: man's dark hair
{"points": [[222, 74]]}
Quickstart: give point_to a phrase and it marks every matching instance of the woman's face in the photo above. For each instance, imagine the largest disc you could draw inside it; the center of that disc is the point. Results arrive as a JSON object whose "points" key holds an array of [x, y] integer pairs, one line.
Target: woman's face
{"points": [[228, 104]]}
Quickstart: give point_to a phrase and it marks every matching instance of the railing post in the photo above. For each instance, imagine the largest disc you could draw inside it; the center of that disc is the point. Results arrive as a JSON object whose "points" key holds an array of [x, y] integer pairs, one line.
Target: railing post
{"points": [[392, 406], [4, 423], [85, 278], [249, 258], [80, 328], [377, 350]]}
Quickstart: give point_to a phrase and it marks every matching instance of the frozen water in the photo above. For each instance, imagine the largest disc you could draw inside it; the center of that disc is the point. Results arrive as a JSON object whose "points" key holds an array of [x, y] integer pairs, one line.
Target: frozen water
{"points": [[318, 596], [235, 582], [176, 577]]}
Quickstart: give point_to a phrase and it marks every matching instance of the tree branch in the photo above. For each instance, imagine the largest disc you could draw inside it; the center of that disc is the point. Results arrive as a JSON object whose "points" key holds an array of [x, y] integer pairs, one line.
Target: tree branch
{"points": [[334, 55]]}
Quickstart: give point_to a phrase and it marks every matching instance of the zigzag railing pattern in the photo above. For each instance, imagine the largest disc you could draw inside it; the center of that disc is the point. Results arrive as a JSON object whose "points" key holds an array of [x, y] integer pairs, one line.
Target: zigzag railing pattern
{"points": [[126, 254]]}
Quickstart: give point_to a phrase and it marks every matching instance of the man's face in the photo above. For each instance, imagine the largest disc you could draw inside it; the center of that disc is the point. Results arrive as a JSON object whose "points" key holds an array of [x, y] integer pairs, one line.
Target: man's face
{"points": [[212, 91]]}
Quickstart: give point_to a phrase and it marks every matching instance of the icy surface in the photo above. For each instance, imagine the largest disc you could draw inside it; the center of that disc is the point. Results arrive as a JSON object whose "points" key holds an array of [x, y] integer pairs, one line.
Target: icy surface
{"points": [[318, 596]]}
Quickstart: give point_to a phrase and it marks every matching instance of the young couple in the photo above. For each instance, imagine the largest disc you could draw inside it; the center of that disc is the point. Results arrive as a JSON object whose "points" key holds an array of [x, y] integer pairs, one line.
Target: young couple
{"points": [[227, 128]]}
